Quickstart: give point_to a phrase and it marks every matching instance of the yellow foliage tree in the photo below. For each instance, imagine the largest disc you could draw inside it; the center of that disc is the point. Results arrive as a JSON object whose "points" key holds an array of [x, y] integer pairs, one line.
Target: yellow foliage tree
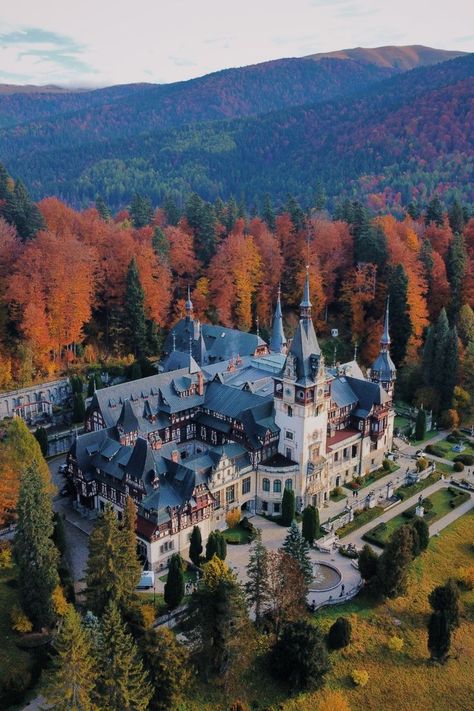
{"points": [[20, 622], [233, 518], [333, 701], [215, 571], [60, 604], [395, 643], [360, 677], [148, 615]]}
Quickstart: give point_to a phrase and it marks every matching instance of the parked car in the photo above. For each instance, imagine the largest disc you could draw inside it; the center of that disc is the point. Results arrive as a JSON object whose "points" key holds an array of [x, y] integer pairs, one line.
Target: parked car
{"points": [[147, 580]]}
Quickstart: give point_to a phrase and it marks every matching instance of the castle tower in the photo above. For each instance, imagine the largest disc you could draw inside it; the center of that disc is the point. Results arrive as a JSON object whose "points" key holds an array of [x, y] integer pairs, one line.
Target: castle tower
{"points": [[189, 307], [383, 370], [278, 339], [301, 402]]}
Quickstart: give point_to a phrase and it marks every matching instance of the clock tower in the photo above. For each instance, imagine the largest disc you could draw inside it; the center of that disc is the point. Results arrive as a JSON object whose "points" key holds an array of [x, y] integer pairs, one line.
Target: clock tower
{"points": [[301, 397]]}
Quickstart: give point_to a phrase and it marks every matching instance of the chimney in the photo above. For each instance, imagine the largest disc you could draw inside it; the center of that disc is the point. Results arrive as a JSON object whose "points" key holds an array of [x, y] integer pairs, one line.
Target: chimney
{"points": [[200, 385]]}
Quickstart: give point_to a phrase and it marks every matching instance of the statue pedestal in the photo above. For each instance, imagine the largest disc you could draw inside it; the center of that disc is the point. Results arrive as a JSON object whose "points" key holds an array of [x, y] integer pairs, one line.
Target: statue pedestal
{"points": [[420, 511]]}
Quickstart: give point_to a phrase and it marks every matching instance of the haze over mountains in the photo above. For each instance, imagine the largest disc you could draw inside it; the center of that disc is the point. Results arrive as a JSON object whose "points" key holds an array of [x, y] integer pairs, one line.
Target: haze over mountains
{"points": [[387, 124]]}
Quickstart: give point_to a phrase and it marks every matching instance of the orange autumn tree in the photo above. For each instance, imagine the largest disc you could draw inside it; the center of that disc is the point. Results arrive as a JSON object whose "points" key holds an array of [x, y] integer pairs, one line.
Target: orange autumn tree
{"points": [[51, 290], [234, 275], [272, 261]]}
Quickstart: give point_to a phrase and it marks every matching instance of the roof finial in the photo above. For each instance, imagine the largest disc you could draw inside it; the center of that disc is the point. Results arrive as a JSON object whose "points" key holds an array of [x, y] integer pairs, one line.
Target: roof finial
{"points": [[257, 323], [305, 306], [189, 304], [356, 345], [191, 346], [385, 340], [174, 341], [278, 339]]}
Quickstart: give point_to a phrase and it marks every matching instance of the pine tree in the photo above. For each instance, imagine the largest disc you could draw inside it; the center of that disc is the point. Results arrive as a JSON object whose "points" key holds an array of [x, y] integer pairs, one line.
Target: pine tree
{"points": [[141, 211], [4, 178], [439, 636], [434, 212], [171, 210], [136, 335], [288, 507], [320, 197], [71, 682], [195, 545], [268, 212], [218, 620], [257, 572], [35, 552], [161, 245], [466, 324], [394, 562], [91, 386], [456, 217], [202, 220], [445, 598], [128, 561], [216, 545], [296, 213], [102, 208], [78, 408], [297, 547], [21, 212], [420, 425], [300, 656], [400, 324], [451, 368], [455, 269], [174, 586], [231, 214], [340, 633], [42, 437], [422, 532], [367, 563], [122, 681], [310, 527], [169, 668], [103, 575]]}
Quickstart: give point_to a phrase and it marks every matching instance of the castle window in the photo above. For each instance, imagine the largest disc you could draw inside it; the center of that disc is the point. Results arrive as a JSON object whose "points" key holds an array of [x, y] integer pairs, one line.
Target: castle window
{"points": [[230, 494], [288, 484], [266, 484], [290, 411], [246, 483], [277, 486], [288, 434]]}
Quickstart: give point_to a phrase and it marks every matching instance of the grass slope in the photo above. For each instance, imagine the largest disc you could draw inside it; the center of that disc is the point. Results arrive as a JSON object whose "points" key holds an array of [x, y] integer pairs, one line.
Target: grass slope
{"points": [[398, 681]]}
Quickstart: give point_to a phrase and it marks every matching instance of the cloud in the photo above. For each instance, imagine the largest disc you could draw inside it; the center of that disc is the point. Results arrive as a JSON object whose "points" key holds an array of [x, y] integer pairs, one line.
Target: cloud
{"points": [[182, 62], [55, 50]]}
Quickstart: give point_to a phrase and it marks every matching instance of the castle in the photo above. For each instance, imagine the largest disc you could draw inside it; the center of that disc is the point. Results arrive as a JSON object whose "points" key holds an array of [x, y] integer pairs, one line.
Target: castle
{"points": [[231, 422]]}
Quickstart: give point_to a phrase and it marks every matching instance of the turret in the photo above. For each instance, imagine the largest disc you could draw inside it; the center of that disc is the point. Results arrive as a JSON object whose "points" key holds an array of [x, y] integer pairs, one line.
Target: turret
{"points": [[383, 370], [278, 339], [189, 306]]}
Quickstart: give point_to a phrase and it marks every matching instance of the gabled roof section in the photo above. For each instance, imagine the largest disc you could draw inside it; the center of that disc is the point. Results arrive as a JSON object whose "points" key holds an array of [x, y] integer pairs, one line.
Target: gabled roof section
{"points": [[368, 395], [127, 421], [306, 352]]}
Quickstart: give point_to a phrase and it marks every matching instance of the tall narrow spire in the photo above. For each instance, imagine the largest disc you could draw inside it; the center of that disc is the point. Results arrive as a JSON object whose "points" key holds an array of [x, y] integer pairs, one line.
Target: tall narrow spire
{"points": [[305, 305], [278, 339], [189, 306], [385, 340]]}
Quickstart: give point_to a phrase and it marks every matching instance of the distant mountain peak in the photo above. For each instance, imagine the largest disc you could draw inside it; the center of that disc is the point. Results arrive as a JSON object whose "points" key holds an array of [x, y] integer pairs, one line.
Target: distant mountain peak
{"points": [[402, 58]]}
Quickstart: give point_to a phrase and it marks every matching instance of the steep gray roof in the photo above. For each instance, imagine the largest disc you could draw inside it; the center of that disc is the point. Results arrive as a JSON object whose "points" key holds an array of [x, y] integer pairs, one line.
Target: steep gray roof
{"points": [[341, 393], [383, 368], [278, 339], [368, 395], [177, 360], [211, 343], [230, 401], [306, 352], [127, 421]]}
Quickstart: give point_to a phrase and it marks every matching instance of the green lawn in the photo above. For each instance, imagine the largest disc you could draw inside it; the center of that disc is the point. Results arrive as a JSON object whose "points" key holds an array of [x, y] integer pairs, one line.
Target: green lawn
{"points": [[407, 490], [337, 497], [15, 664], [442, 501], [360, 520], [447, 448], [374, 476]]}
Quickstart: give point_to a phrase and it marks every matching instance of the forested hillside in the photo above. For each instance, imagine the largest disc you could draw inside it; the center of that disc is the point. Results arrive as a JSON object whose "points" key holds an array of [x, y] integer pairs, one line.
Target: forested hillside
{"points": [[350, 122], [80, 288]]}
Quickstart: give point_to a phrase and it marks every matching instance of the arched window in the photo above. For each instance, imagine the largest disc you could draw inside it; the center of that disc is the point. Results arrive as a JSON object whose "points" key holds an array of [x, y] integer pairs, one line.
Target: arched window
{"points": [[288, 484], [277, 486], [266, 484]]}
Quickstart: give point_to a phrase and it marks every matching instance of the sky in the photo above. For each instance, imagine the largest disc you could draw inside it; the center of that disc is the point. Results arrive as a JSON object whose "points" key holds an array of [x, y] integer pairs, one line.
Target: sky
{"points": [[103, 42]]}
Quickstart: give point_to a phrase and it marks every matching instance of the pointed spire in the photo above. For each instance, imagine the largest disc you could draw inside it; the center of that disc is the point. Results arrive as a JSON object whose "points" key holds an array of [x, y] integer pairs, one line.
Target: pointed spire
{"points": [[278, 339], [257, 323], [305, 305], [189, 305], [355, 351], [385, 340], [191, 346]]}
